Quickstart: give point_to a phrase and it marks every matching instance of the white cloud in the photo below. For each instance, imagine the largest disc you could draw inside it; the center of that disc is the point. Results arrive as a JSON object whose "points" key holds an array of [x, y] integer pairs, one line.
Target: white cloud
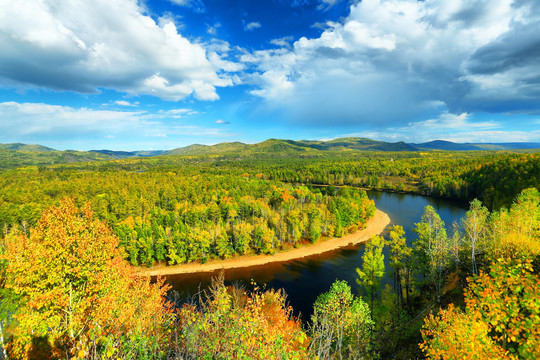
{"points": [[196, 5], [493, 136], [283, 42], [37, 119], [457, 128], [38, 122], [212, 30], [221, 121], [85, 46], [451, 122], [125, 103], [252, 26], [396, 61], [219, 62]]}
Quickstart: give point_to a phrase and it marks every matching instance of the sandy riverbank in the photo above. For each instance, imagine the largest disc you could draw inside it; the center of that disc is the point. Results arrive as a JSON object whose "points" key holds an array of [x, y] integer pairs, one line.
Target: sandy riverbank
{"points": [[374, 226]]}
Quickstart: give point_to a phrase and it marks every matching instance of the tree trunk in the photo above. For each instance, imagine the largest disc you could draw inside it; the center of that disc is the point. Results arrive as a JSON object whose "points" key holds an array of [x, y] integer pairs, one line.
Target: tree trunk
{"points": [[4, 352]]}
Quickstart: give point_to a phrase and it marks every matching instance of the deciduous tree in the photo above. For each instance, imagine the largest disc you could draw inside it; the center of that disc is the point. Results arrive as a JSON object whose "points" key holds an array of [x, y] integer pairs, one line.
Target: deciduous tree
{"points": [[77, 294], [372, 267]]}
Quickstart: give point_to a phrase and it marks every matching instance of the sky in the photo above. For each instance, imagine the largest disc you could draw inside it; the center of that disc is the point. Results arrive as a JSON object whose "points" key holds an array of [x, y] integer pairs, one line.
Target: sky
{"points": [[162, 74]]}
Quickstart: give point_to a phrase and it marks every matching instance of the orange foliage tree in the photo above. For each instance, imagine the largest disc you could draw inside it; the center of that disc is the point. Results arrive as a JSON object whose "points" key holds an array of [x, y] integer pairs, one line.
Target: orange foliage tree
{"points": [[233, 324], [78, 297], [453, 334]]}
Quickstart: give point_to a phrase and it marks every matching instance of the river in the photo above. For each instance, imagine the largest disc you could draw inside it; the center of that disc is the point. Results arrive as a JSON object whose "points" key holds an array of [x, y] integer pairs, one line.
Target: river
{"points": [[304, 279]]}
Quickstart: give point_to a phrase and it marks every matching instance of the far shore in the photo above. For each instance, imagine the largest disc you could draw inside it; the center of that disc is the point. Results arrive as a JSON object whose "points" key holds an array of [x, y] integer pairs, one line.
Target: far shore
{"points": [[374, 226]]}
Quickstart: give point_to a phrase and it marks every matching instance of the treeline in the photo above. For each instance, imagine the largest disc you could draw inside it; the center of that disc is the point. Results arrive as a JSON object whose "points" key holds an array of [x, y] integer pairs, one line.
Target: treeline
{"points": [[182, 216], [494, 177], [66, 292]]}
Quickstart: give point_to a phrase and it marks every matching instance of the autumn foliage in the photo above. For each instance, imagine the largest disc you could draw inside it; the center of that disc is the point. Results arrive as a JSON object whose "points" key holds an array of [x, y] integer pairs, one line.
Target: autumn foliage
{"points": [[234, 324], [501, 316], [500, 319], [78, 296]]}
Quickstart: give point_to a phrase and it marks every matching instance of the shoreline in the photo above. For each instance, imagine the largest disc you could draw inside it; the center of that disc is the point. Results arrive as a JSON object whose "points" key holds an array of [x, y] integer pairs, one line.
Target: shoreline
{"points": [[374, 226]]}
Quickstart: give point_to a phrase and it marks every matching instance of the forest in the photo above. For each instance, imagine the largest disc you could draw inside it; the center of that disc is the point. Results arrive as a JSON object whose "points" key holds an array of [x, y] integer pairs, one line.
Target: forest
{"points": [[72, 235]]}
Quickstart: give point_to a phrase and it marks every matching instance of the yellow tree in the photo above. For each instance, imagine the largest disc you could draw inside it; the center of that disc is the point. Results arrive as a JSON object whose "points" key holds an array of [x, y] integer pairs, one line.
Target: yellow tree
{"points": [[501, 318], [78, 295], [453, 334]]}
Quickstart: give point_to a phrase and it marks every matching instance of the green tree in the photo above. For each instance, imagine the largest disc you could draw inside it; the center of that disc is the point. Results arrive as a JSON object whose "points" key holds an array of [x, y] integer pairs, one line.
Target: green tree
{"points": [[475, 227], [341, 325], [432, 248], [369, 277], [399, 261]]}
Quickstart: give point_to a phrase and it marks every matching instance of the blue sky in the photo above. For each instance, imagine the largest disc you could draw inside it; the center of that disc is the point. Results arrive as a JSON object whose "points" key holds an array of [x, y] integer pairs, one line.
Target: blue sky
{"points": [[160, 74]]}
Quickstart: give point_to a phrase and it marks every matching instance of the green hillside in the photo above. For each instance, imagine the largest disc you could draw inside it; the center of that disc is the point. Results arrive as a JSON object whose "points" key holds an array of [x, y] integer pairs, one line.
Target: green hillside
{"points": [[25, 147], [19, 155], [32, 155], [280, 146], [353, 143]]}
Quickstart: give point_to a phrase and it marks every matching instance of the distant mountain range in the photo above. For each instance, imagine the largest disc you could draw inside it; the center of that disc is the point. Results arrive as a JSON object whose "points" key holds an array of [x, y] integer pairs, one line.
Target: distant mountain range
{"points": [[270, 146], [125, 154], [342, 144], [451, 146]]}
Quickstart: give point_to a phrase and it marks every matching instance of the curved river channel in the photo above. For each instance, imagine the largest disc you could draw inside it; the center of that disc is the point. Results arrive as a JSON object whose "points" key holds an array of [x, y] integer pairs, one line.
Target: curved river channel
{"points": [[304, 279]]}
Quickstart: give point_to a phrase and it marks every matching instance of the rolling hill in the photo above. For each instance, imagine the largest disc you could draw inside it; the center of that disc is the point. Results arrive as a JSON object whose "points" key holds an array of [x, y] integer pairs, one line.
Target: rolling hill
{"points": [[17, 154], [363, 144], [292, 146], [25, 147]]}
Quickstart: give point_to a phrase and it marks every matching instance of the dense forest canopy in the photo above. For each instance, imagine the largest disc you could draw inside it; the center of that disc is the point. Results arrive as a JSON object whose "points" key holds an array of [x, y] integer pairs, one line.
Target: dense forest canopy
{"points": [[190, 214], [71, 233]]}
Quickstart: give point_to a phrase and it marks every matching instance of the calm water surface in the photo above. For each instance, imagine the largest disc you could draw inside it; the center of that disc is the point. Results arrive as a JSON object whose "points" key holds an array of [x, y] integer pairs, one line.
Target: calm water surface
{"points": [[304, 279]]}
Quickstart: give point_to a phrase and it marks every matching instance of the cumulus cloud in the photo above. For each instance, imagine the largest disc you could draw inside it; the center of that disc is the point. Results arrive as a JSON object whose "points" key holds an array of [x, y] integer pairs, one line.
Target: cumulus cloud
{"points": [[252, 25], [395, 61], [85, 46]]}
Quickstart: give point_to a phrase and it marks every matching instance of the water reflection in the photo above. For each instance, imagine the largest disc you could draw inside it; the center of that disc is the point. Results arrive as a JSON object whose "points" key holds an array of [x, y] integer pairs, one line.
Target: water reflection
{"points": [[304, 279]]}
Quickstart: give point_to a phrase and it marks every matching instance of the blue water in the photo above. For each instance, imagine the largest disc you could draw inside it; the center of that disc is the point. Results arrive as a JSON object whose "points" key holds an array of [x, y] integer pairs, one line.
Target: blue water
{"points": [[304, 279]]}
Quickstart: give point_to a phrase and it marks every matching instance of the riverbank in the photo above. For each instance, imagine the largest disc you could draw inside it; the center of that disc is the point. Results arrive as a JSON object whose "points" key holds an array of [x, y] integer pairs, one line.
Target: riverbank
{"points": [[374, 226]]}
